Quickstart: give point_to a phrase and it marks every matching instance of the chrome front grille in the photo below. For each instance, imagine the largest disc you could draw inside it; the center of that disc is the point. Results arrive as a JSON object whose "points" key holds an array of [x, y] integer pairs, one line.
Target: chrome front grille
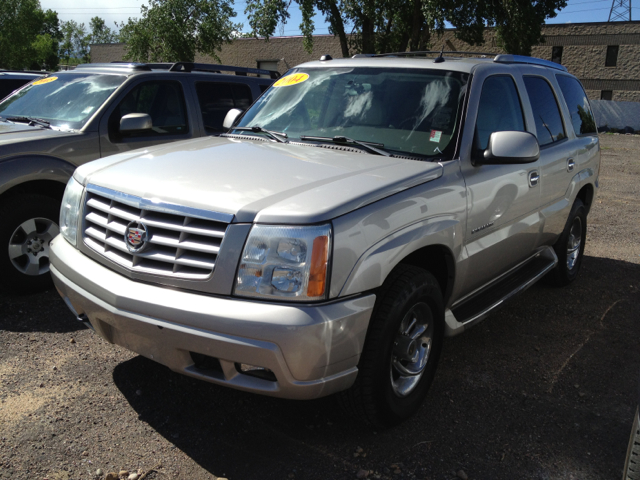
{"points": [[182, 242]]}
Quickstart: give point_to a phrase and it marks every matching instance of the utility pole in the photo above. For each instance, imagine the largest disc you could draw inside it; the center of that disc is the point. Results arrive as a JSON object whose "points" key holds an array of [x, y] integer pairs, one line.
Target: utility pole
{"points": [[620, 11]]}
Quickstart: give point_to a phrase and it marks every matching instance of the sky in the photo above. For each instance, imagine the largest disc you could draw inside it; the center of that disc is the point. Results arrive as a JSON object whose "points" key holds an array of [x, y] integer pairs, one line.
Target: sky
{"points": [[576, 11]]}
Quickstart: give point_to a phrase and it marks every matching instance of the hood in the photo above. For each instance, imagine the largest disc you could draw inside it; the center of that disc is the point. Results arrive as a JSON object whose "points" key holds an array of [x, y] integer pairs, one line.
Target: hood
{"points": [[259, 181], [18, 133]]}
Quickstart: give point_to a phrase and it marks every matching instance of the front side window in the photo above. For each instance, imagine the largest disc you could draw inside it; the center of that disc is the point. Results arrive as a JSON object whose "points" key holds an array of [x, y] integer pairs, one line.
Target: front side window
{"points": [[66, 101], [404, 111], [499, 110], [549, 127], [578, 103], [163, 101], [216, 99]]}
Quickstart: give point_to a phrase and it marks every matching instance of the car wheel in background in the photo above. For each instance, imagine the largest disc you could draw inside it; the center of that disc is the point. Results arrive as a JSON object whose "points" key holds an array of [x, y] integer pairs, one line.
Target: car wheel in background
{"points": [[632, 463], [401, 350], [27, 224]]}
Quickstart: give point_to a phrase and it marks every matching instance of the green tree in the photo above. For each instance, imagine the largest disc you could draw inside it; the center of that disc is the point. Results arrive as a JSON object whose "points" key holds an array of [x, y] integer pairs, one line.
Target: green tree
{"points": [[100, 33], [28, 35], [75, 43], [380, 26], [174, 30]]}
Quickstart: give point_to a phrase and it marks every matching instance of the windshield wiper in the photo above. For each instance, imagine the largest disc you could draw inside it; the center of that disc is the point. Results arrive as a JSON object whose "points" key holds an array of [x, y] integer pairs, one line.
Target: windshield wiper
{"points": [[273, 135], [31, 121], [369, 146]]}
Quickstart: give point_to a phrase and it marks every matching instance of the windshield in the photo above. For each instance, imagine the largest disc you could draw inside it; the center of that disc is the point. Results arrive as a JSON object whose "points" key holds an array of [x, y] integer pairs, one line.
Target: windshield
{"points": [[66, 101], [408, 111]]}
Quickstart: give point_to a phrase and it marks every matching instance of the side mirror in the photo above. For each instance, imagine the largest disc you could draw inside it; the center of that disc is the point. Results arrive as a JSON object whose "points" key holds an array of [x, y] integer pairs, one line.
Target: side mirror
{"points": [[510, 148], [135, 122], [230, 118]]}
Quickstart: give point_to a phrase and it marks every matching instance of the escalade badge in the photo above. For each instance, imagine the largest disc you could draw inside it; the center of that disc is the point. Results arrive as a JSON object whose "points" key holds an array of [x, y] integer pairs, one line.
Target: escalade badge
{"points": [[136, 237]]}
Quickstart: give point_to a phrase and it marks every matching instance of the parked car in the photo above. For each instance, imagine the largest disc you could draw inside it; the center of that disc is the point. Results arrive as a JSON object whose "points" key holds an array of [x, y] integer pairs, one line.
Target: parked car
{"points": [[632, 462], [56, 123], [11, 80], [361, 210]]}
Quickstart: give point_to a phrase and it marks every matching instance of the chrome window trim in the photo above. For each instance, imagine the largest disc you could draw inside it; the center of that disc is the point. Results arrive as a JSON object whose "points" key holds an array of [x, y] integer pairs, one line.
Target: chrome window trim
{"points": [[159, 206]]}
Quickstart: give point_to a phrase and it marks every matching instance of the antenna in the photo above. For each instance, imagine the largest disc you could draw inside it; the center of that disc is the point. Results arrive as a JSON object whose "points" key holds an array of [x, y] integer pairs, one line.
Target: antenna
{"points": [[620, 10]]}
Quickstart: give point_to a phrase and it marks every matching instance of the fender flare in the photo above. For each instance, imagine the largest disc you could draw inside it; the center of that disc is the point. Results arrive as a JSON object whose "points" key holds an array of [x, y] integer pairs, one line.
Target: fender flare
{"points": [[21, 169]]}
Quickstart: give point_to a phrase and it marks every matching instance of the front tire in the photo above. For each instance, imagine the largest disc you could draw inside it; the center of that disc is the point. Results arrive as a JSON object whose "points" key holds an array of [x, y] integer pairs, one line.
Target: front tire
{"points": [[401, 349], [27, 224], [570, 247]]}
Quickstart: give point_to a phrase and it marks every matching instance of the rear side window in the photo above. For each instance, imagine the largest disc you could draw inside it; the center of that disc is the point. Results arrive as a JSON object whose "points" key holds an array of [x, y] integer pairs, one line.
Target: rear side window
{"points": [[216, 99], [581, 116], [499, 109], [546, 113]]}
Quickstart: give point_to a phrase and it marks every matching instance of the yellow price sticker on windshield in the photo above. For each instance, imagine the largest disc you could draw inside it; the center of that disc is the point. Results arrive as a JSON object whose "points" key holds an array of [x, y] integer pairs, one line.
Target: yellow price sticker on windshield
{"points": [[45, 80], [289, 80]]}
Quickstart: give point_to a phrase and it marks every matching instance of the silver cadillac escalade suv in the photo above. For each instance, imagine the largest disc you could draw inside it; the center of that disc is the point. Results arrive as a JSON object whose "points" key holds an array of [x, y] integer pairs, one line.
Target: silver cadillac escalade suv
{"points": [[360, 211]]}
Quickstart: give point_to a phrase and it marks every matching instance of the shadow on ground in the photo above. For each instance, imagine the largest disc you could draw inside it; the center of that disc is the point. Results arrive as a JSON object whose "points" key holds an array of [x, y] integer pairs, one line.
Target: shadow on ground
{"points": [[545, 388]]}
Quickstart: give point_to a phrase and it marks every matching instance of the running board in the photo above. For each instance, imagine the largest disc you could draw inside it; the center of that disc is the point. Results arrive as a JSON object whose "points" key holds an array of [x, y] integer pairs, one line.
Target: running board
{"points": [[475, 308]]}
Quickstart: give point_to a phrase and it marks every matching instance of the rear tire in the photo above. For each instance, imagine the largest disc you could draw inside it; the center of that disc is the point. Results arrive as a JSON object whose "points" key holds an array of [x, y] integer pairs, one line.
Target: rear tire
{"points": [[401, 350], [27, 224], [570, 247]]}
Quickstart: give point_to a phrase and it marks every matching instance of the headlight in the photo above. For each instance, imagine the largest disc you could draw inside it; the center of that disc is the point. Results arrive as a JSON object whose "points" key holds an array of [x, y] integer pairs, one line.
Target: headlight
{"points": [[69, 211], [285, 262]]}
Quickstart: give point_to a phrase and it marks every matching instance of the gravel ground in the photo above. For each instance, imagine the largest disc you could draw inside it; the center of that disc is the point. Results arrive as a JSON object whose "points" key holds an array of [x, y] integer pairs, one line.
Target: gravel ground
{"points": [[543, 389]]}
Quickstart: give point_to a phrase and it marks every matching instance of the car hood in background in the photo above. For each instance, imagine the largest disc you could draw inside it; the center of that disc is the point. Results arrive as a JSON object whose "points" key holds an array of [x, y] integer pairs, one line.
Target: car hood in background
{"points": [[259, 181]]}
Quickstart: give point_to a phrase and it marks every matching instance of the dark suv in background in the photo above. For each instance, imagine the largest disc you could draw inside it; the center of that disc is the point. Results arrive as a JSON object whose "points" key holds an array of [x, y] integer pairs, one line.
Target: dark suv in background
{"points": [[56, 123], [11, 80]]}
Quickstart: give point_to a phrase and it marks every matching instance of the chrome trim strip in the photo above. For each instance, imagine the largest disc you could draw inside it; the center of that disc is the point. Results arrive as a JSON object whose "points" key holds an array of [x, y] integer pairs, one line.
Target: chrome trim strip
{"points": [[158, 206]]}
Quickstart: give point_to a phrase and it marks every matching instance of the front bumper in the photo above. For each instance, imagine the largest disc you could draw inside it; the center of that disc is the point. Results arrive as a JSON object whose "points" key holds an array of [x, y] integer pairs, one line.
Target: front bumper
{"points": [[313, 351]]}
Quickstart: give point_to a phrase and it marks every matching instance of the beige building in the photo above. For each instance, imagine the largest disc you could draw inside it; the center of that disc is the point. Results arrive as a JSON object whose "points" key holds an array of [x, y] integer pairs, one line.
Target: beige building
{"points": [[604, 56]]}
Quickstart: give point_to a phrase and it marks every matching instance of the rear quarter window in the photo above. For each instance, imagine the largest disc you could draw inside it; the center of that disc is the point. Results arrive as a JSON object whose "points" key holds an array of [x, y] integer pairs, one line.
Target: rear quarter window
{"points": [[546, 114], [578, 103]]}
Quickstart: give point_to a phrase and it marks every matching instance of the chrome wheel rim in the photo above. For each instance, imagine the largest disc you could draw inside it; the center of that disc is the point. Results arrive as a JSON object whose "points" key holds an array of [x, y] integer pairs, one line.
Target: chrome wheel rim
{"points": [[411, 349], [29, 245], [574, 242]]}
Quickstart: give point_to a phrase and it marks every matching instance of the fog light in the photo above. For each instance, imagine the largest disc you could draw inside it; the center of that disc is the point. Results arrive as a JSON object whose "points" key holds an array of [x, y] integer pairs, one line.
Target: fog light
{"points": [[255, 371]]}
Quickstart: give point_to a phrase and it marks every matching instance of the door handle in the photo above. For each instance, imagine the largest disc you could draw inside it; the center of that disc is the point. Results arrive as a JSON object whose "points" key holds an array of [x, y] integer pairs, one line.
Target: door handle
{"points": [[570, 164], [533, 178]]}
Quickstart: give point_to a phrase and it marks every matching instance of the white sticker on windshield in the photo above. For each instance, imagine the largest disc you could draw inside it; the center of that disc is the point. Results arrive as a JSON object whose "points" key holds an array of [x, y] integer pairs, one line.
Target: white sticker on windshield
{"points": [[435, 136], [87, 110]]}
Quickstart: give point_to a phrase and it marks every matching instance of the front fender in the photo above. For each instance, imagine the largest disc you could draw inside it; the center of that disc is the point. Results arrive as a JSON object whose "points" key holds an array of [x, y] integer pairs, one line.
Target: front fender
{"points": [[26, 168]]}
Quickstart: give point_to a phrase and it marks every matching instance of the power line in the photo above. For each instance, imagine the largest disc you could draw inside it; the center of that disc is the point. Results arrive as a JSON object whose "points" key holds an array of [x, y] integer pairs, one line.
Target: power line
{"points": [[588, 10]]}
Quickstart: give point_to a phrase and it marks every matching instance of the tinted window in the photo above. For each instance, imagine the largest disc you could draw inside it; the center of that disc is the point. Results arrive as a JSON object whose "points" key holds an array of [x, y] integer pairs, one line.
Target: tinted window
{"points": [[606, 95], [581, 117], [499, 109], [545, 110], [556, 54], [8, 85], [162, 101], [216, 99]]}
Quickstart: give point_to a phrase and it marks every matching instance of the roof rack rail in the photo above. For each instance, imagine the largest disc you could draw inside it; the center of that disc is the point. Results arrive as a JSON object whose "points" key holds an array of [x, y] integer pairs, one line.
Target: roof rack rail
{"points": [[39, 72], [426, 52], [529, 60], [215, 68], [117, 65]]}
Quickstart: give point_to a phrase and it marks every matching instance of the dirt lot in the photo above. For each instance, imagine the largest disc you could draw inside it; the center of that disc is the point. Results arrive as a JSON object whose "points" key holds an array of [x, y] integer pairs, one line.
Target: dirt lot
{"points": [[544, 389]]}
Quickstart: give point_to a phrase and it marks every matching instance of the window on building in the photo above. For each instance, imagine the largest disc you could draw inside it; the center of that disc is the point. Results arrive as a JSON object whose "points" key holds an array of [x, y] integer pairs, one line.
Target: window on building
{"points": [[216, 99], [581, 116], [549, 127], [499, 109], [612, 56], [606, 95], [556, 55]]}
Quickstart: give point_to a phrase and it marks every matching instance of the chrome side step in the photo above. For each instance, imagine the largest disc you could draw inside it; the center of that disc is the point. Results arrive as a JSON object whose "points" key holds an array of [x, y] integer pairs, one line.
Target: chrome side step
{"points": [[478, 306]]}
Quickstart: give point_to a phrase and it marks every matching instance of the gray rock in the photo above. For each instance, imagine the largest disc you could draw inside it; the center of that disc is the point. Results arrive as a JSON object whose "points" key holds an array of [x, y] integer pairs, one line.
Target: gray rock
{"points": [[462, 475]]}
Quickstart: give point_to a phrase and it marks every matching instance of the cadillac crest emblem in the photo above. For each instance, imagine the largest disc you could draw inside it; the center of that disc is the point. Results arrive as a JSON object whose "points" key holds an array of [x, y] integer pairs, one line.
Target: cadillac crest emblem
{"points": [[135, 237]]}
